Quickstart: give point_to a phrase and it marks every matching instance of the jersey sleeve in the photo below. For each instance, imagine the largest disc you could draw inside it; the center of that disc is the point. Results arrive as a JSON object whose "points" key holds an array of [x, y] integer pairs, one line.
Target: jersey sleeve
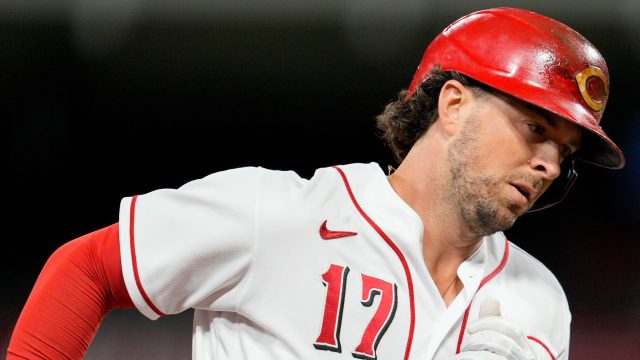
{"points": [[190, 247]]}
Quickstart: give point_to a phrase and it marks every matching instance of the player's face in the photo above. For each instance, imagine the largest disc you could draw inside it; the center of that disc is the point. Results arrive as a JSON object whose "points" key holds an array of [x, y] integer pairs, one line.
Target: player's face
{"points": [[505, 156]]}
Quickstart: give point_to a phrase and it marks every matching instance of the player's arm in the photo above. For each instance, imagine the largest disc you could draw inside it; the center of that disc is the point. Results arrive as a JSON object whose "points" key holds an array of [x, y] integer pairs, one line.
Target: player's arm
{"points": [[80, 283]]}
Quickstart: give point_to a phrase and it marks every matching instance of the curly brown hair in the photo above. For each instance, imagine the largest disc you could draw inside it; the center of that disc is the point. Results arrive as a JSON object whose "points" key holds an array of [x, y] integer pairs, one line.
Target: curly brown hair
{"points": [[404, 121]]}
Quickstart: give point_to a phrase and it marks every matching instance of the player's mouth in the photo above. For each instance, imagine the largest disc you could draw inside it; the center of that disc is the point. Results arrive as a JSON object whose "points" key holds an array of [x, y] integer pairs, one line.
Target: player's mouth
{"points": [[527, 192]]}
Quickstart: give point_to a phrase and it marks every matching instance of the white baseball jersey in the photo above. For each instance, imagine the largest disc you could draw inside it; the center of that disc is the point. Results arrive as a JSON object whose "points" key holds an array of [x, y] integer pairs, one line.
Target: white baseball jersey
{"points": [[281, 267]]}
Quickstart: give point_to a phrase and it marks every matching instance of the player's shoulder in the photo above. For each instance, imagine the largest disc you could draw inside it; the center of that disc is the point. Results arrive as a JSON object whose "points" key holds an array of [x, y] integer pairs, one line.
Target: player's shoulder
{"points": [[253, 173], [526, 277], [522, 262], [353, 172], [273, 178], [324, 174]]}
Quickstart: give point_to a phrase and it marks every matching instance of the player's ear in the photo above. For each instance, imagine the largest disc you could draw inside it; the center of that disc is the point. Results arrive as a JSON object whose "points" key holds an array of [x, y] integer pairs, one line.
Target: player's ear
{"points": [[452, 96]]}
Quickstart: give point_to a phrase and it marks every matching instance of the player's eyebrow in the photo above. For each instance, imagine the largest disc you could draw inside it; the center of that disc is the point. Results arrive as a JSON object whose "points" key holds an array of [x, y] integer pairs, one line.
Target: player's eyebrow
{"points": [[575, 143], [548, 117], [553, 123]]}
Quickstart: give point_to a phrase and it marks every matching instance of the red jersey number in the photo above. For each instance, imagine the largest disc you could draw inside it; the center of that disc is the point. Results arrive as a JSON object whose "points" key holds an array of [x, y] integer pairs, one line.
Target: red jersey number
{"points": [[335, 280]]}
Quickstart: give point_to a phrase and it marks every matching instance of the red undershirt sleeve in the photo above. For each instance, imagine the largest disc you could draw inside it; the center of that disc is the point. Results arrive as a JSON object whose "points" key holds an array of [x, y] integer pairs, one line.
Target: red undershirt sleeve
{"points": [[80, 283]]}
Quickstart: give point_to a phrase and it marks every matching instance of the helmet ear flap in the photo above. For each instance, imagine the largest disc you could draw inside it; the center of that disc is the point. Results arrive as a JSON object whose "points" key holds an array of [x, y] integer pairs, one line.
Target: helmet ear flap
{"points": [[559, 188]]}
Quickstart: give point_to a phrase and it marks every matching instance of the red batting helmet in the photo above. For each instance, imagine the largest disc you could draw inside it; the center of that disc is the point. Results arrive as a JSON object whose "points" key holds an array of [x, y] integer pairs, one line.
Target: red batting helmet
{"points": [[533, 58]]}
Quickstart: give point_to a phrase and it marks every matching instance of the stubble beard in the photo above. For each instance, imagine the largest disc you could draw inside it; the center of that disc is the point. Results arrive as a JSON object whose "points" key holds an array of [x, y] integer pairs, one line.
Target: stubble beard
{"points": [[477, 197]]}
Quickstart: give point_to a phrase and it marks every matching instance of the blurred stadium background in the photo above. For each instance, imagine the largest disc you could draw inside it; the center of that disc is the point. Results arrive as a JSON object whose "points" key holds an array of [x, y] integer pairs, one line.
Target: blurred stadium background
{"points": [[104, 99]]}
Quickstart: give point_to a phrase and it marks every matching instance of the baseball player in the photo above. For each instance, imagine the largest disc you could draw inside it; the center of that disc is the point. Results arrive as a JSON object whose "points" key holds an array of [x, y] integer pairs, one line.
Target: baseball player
{"points": [[356, 262]]}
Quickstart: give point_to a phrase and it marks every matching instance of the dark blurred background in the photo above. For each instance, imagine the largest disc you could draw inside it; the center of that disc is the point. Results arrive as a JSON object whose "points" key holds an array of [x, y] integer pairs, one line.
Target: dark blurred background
{"points": [[105, 99]]}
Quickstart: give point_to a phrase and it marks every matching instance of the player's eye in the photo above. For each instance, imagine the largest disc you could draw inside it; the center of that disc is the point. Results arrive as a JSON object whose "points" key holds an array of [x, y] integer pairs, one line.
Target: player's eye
{"points": [[538, 129], [565, 151]]}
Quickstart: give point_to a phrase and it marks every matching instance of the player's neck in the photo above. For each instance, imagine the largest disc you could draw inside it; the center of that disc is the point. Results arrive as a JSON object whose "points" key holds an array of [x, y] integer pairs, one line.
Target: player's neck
{"points": [[447, 241], [443, 253], [449, 289], [421, 181]]}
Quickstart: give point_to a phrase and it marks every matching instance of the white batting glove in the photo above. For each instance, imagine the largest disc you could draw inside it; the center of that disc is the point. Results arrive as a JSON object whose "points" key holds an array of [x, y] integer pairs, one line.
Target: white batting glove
{"points": [[493, 337]]}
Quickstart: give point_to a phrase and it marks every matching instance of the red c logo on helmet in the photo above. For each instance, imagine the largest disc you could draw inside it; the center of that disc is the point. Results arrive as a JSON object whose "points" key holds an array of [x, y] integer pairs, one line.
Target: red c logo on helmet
{"points": [[594, 87]]}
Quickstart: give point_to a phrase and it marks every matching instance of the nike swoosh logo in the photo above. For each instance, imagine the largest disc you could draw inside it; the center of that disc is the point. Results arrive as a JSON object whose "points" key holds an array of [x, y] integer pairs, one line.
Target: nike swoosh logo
{"points": [[327, 234]]}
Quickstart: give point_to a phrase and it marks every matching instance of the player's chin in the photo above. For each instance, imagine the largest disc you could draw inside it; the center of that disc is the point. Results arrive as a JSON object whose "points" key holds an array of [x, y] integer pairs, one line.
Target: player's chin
{"points": [[517, 209], [511, 212], [494, 218], [506, 221], [507, 214]]}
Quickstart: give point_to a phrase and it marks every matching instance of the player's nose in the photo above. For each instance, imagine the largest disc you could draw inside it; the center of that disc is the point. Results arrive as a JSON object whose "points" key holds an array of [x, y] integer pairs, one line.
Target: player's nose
{"points": [[547, 159]]}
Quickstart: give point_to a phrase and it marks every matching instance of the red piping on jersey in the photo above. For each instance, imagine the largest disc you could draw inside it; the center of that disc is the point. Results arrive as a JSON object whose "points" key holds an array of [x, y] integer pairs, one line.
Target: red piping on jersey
{"points": [[395, 248], [543, 345], [487, 278], [135, 262]]}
